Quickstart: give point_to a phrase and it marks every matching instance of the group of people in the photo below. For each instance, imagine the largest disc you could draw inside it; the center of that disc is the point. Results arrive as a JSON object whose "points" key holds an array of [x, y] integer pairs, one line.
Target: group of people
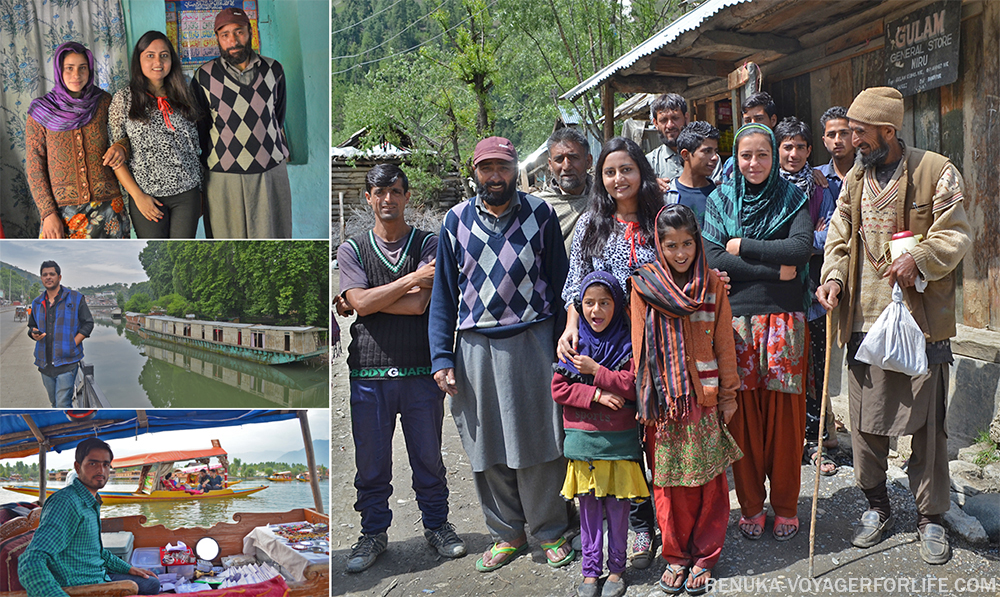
{"points": [[683, 333], [215, 147]]}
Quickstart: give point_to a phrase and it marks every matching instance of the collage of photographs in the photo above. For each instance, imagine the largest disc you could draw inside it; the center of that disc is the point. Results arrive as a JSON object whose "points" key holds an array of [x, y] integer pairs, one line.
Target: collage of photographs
{"points": [[585, 298]]}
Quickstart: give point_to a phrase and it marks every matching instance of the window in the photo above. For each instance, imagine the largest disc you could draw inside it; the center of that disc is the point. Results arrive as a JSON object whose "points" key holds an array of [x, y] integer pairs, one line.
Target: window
{"points": [[187, 330], [288, 343], [239, 338], [216, 334], [257, 339]]}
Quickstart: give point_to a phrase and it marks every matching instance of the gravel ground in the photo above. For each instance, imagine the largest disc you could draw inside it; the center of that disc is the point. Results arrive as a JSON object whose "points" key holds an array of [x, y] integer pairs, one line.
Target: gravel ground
{"points": [[411, 568]]}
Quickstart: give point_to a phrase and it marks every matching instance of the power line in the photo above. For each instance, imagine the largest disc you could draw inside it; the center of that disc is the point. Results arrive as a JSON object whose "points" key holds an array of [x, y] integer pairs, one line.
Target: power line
{"points": [[371, 16], [404, 30], [423, 43]]}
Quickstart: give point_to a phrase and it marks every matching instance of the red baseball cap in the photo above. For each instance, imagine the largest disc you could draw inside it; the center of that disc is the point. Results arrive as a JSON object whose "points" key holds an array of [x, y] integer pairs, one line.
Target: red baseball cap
{"points": [[231, 15], [494, 148]]}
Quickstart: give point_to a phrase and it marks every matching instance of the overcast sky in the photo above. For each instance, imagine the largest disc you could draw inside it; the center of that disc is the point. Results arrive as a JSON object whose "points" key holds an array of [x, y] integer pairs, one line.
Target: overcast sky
{"points": [[88, 263], [278, 436]]}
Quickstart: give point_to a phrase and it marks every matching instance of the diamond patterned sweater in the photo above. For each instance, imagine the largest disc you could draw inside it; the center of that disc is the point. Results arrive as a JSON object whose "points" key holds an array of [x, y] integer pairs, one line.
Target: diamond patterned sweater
{"points": [[243, 133], [495, 283]]}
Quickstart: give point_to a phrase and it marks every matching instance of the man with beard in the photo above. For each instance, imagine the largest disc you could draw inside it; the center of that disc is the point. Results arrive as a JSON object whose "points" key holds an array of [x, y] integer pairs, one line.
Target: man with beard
{"points": [[243, 143], [568, 189], [499, 271], [59, 322], [669, 115], [891, 186], [66, 549]]}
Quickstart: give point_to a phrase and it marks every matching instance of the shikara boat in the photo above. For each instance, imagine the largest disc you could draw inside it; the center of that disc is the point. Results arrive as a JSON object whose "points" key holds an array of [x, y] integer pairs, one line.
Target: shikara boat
{"points": [[281, 476], [154, 466]]}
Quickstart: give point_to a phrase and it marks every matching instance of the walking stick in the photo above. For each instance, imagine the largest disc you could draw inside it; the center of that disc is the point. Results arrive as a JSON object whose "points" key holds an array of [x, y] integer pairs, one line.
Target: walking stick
{"points": [[819, 440]]}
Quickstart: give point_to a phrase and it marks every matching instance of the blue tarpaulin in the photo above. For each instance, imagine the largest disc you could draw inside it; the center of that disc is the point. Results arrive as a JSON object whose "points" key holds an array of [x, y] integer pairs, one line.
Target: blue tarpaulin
{"points": [[64, 429]]}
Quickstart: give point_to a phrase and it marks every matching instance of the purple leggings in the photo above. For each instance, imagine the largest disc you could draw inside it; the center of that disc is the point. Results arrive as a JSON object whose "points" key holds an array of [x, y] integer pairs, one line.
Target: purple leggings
{"points": [[592, 513]]}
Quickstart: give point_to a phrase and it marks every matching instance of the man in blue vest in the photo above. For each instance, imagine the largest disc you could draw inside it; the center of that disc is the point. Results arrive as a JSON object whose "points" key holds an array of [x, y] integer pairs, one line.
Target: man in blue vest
{"points": [[386, 276], [59, 321]]}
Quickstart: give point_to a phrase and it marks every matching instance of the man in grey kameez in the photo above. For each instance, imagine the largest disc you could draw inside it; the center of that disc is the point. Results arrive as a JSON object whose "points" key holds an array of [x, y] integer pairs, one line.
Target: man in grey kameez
{"points": [[668, 114], [498, 275], [243, 145]]}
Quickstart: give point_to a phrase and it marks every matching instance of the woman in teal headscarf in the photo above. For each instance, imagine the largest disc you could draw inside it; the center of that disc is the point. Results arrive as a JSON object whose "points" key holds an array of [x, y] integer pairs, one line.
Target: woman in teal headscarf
{"points": [[757, 228]]}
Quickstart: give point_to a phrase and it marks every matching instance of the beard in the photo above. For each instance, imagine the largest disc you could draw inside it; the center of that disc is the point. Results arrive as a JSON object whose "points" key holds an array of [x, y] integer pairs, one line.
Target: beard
{"points": [[241, 56], [497, 197], [875, 157], [671, 143]]}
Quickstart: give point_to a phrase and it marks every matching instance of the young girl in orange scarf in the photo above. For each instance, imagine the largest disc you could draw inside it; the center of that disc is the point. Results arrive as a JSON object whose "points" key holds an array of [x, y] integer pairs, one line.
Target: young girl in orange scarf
{"points": [[686, 376]]}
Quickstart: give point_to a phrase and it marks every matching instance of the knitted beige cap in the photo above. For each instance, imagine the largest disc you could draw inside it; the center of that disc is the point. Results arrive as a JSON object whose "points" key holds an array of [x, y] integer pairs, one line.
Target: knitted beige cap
{"points": [[878, 106]]}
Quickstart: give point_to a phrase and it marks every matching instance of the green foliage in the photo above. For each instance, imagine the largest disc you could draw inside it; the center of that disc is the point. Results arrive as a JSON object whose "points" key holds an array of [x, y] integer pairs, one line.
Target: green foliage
{"points": [[120, 299], [18, 284], [139, 303], [990, 452], [277, 281], [483, 67], [175, 304]]}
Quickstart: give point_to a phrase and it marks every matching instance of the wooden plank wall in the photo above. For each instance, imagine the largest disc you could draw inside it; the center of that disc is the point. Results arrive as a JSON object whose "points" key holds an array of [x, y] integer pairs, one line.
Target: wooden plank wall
{"points": [[960, 121], [980, 103]]}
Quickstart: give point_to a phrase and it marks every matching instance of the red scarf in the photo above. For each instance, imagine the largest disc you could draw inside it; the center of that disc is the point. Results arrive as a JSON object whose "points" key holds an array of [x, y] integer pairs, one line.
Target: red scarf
{"points": [[164, 107]]}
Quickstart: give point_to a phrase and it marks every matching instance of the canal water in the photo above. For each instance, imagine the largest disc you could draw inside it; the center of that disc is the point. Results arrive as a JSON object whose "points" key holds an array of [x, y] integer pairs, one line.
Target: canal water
{"points": [[137, 373], [278, 497]]}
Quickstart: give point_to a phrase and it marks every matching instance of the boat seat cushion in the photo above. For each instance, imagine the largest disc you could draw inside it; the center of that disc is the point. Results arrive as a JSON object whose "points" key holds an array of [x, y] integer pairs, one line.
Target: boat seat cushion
{"points": [[10, 551]]}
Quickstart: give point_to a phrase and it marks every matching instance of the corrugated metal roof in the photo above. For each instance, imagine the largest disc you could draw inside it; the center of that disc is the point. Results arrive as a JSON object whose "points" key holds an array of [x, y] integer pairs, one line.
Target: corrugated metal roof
{"points": [[689, 21]]}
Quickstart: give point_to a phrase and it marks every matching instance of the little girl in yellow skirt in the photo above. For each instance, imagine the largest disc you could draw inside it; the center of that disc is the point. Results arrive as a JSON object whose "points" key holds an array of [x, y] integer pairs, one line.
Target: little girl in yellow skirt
{"points": [[597, 390]]}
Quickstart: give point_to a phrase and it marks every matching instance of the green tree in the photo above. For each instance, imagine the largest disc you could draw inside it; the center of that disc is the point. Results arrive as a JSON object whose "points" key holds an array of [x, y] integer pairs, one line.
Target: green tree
{"points": [[158, 264], [472, 54], [33, 291], [175, 304], [139, 303], [120, 299]]}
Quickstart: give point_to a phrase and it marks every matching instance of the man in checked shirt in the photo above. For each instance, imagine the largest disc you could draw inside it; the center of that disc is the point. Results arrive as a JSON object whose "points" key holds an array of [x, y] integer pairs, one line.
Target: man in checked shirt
{"points": [[66, 550]]}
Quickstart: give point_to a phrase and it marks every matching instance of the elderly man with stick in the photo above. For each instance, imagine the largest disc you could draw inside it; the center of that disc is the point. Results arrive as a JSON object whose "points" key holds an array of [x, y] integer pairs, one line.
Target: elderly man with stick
{"points": [[891, 189]]}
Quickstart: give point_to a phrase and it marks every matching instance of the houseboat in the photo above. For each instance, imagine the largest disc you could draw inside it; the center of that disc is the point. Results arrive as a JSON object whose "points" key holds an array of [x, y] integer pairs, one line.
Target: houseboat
{"points": [[264, 344], [134, 321]]}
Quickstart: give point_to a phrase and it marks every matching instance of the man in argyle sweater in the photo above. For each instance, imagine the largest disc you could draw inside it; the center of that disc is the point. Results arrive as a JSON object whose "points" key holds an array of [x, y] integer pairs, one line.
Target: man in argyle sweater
{"points": [[500, 267], [243, 143]]}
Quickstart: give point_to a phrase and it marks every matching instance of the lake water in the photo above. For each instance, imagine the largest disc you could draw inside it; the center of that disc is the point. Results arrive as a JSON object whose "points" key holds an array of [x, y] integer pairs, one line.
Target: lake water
{"points": [[278, 497], [137, 373]]}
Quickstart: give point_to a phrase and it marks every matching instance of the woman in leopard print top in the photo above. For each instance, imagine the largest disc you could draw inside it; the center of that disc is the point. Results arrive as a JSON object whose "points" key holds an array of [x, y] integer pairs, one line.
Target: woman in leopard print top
{"points": [[157, 114]]}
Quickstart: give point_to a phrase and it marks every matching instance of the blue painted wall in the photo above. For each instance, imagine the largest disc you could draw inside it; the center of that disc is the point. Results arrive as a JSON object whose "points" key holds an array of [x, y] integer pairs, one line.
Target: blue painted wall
{"points": [[296, 33]]}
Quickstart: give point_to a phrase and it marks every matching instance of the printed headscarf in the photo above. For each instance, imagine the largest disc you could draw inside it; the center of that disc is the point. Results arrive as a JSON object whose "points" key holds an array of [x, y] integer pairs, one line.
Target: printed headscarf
{"points": [[658, 308], [734, 212], [57, 110]]}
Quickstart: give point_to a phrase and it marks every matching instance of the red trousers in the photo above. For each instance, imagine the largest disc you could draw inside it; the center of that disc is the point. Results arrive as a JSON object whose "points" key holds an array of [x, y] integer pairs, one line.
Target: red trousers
{"points": [[770, 428], [693, 522]]}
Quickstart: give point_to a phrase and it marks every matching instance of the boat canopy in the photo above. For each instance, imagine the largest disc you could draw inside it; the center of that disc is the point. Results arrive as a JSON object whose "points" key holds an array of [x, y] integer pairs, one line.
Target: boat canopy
{"points": [[200, 467], [171, 456], [23, 431]]}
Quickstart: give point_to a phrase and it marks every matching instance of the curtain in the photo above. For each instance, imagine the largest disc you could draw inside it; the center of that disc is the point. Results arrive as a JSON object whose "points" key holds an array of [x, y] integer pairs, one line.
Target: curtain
{"points": [[31, 31]]}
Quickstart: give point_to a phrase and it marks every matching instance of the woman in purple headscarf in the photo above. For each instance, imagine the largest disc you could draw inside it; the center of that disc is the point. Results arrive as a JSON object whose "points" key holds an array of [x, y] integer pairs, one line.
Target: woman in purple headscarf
{"points": [[68, 159]]}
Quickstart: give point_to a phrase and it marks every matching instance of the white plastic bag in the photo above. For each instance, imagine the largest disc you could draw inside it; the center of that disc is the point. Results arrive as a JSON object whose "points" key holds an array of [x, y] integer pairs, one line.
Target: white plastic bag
{"points": [[895, 341]]}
